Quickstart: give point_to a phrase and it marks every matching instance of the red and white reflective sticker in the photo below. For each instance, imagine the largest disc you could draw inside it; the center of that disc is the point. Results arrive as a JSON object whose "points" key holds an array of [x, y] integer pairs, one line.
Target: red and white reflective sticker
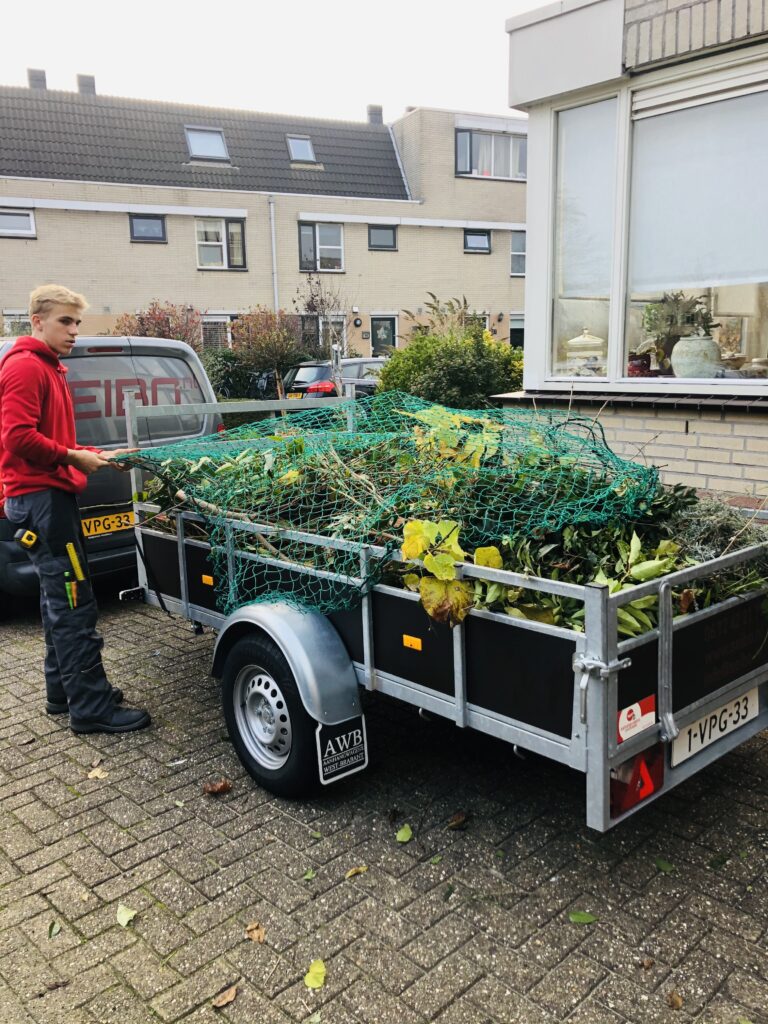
{"points": [[636, 718]]}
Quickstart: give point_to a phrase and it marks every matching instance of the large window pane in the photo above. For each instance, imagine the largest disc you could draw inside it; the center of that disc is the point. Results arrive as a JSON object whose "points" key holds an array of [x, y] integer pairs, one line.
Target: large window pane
{"points": [[501, 144], [482, 153], [697, 250], [586, 172], [307, 247], [206, 144], [235, 243]]}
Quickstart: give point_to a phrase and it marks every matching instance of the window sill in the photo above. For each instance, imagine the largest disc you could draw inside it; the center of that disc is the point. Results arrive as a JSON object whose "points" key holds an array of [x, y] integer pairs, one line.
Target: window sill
{"points": [[15, 234], [478, 252], [487, 177], [149, 241], [665, 399], [517, 275], [382, 248], [321, 271], [225, 270]]}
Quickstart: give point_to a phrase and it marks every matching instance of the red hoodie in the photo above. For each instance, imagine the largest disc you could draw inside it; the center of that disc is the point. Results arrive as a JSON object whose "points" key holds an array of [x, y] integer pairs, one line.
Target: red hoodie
{"points": [[37, 422]]}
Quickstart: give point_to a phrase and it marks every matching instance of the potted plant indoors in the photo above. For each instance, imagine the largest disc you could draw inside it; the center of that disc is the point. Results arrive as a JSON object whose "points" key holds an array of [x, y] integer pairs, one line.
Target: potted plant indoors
{"points": [[674, 318]]}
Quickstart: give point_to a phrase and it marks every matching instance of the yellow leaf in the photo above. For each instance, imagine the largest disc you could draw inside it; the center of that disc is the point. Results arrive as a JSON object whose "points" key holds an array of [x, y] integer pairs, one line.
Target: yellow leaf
{"points": [[289, 478], [411, 581], [225, 997], [255, 931], [356, 871], [315, 976], [490, 557], [446, 601], [98, 773], [125, 915], [413, 547], [441, 566]]}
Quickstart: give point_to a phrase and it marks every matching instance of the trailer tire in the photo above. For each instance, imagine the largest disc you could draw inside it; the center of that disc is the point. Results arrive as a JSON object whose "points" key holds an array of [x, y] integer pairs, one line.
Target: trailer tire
{"points": [[269, 727]]}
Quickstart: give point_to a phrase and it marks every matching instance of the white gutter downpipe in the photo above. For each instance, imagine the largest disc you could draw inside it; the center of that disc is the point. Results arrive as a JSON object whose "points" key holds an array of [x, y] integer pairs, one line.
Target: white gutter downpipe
{"points": [[275, 299]]}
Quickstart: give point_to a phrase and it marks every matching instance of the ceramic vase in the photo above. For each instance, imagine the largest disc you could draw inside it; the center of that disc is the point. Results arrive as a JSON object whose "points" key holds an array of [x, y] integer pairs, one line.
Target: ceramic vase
{"points": [[697, 355]]}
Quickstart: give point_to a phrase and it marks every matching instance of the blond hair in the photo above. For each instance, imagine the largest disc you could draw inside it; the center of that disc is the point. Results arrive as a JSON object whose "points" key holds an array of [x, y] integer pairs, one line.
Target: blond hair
{"points": [[43, 299]]}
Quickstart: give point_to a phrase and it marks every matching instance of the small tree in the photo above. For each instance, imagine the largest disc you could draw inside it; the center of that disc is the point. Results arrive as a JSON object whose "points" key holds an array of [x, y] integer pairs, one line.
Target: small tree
{"points": [[268, 341], [323, 300], [162, 320]]}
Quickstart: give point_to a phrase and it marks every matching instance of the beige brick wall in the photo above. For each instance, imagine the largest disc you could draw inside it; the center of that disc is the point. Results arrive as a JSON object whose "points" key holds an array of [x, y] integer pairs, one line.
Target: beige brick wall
{"points": [[92, 251], [663, 30], [692, 447]]}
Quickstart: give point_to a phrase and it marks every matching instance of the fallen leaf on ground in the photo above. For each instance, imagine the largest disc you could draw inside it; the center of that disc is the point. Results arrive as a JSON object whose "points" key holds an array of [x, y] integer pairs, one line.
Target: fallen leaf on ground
{"points": [[125, 915], [315, 976], [315, 1018], [217, 788], [255, 931], [674, 1000], [316, 835], [356, 871], [225, 997], [436, 859], [26, 742], [178, 803], [664, 865], [98, 773], [459, 820], [96, 762], [53, 929], [405, 834], [581, 917], [309, 874], [53, 985], [648, 963]]}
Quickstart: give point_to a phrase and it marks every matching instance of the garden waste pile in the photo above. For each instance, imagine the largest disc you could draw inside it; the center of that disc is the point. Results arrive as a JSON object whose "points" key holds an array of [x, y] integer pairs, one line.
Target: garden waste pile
{"points": [[399, 490]]}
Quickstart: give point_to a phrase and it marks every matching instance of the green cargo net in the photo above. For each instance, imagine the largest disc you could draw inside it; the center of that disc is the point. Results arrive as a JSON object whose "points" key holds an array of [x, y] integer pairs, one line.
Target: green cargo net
{"points": [[353, 474]]}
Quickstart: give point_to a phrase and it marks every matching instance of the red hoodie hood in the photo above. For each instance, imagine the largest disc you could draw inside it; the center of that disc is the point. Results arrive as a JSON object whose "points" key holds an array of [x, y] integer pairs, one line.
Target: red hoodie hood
{"points": [[30, 344]]}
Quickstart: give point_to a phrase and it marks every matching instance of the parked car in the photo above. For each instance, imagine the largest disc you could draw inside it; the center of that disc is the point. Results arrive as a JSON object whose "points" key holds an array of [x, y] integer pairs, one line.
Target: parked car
{"points": [[101, 372], [315, 379]]}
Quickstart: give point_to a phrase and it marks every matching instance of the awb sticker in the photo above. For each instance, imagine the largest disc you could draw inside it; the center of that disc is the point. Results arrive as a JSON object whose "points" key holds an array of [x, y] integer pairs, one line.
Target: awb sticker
{"points": [[341, 749], [636, 718]]}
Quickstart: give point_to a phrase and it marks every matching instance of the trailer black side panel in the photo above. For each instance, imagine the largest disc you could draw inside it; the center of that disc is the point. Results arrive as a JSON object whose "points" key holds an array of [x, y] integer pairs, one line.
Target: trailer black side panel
{"points": [[407, 643], [521, 674], [161, 556], [706, 655]]}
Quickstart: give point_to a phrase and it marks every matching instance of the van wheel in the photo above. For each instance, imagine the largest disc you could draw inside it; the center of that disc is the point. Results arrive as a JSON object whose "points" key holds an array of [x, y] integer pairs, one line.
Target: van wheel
{"points": [[270, 729]]}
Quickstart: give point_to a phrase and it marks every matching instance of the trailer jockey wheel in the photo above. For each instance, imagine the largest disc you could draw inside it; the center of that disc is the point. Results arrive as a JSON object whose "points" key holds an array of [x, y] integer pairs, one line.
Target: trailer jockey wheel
{"points": [[270, 729]]}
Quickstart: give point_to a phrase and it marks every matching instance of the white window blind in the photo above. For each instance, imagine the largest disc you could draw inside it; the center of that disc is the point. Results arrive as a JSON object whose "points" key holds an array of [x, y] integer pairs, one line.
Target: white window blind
{"points": [[699, 213], [585, 199]]}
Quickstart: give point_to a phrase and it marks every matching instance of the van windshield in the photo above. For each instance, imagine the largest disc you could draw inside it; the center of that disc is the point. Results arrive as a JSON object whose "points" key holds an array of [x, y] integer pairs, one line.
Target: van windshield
{"points": [[99, 385]]}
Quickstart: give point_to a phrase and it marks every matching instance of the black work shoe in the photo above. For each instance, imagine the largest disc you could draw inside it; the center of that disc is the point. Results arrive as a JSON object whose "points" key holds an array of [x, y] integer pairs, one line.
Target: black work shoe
{"points": [[114, 720], [60, 707]]}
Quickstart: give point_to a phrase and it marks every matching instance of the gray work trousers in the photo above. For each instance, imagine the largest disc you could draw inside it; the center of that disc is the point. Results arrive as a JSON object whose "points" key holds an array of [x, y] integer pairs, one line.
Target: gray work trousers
{"points": [[73, 668]]}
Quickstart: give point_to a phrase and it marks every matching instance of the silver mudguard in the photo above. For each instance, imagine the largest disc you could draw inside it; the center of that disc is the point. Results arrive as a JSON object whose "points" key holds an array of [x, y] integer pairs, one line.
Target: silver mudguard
{"points": [[324, 674]]}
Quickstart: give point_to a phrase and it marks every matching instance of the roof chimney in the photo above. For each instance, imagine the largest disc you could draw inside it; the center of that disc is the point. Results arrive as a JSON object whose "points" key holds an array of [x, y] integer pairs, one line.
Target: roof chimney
{"points": [[375, 114], [86, 85], [36, 78]]}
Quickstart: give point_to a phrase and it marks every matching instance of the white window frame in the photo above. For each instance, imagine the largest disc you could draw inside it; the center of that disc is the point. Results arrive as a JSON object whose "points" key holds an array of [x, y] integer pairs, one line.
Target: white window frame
{"points": [[217, 318], [225, 159], [11, 316], [512, 136], [518, 252], [224, 244], [13, 233], [312, 159], [316, 225], [705, 80]]}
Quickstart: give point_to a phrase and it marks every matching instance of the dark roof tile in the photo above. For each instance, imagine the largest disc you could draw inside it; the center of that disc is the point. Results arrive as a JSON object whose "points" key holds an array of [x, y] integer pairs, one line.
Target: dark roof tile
{"points": [[48, 134]]}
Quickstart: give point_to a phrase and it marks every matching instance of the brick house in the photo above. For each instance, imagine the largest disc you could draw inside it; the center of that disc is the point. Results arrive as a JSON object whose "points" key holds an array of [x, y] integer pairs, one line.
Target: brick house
{"points": [[128, 200], [648, 213]]}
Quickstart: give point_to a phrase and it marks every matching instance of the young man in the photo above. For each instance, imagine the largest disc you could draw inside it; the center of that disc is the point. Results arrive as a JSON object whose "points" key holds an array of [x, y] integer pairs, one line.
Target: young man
{"points": [[43, 470]]}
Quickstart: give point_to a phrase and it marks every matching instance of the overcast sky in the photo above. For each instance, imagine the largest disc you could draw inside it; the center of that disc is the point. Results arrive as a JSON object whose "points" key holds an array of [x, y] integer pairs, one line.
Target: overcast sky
{"points": [[326, 59]]}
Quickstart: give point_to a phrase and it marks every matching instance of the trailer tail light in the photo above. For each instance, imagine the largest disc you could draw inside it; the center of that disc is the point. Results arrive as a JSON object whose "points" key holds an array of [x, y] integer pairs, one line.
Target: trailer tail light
{"points": [[221, 429], [322, 387], [636, 779]]}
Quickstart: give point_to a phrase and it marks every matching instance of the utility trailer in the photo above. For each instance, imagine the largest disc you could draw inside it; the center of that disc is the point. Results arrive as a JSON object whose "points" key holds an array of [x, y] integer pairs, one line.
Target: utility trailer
{"points": [[637, 716]]}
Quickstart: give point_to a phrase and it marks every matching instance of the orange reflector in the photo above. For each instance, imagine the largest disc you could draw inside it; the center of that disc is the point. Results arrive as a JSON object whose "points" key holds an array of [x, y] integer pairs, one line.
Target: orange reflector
{"points": [[636, 779], [414, 642], [207, 580]]}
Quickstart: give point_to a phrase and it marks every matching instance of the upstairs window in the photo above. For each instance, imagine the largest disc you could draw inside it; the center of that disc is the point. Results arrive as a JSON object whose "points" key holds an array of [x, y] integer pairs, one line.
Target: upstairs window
{"points": [[17, 223], [220, 244], [321, 247], [477, 241], [491, 155], [147, 228], [382, 237], [301, 149], [517, 264], [206, 144]]}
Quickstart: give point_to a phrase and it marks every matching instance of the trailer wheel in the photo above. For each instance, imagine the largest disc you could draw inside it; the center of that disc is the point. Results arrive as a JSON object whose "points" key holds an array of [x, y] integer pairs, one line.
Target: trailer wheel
{"points": [[270, 729]]}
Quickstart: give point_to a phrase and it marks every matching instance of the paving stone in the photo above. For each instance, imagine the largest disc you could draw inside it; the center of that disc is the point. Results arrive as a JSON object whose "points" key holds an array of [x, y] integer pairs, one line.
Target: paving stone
{"points": [[191, 992], [393, 970], [567, 984], [372, 1004], [445, 982], [143, 971], [748, 990], [506, 1006], [437, 942]]}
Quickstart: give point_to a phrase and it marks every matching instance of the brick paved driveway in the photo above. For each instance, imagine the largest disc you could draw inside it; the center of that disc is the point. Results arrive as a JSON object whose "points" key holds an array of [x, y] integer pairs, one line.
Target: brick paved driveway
{"points": [[459, 926]]}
